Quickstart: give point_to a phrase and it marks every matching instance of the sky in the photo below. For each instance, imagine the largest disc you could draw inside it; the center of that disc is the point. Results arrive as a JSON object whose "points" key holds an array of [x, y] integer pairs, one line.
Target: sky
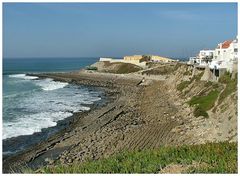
{"points": [[35, 30]]}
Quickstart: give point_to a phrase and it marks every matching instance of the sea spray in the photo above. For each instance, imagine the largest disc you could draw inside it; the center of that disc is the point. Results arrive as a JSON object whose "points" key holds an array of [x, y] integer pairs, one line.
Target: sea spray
{"points": [[48, 101]]}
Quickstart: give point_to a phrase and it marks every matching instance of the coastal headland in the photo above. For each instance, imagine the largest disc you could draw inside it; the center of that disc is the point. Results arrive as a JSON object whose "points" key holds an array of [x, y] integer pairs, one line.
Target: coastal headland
{"points": [[146, 109]]}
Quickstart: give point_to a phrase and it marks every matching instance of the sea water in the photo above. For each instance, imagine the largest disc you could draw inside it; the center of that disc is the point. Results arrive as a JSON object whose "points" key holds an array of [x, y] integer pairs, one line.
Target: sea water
{"points": [[31, 104]]}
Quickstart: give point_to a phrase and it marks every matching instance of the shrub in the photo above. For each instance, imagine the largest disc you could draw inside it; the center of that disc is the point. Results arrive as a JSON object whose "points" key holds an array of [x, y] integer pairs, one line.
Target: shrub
{"points": [[208, 84], [91, 68], [198, 111], [127, 68], [164, 69], [187, 72], [197, 77], [183, 85], [231, 86], [225, 78], [204, 103]]}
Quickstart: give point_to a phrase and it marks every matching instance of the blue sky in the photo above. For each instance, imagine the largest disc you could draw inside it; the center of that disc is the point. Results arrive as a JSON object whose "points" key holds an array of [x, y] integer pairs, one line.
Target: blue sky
{"points": [[115, 29]]}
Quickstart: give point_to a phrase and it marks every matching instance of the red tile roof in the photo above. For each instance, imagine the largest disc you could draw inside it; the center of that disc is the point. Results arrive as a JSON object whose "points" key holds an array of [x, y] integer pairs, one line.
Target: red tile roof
{"points": [[226, 44]]}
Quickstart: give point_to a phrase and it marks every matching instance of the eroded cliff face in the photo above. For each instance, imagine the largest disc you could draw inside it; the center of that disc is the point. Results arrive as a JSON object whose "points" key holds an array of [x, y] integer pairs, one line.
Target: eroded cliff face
{"points": [[217, 99]]}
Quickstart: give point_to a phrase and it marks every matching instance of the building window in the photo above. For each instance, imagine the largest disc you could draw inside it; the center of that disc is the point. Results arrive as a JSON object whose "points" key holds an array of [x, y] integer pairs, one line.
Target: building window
{"points": [[218, 52], [235, 50]]}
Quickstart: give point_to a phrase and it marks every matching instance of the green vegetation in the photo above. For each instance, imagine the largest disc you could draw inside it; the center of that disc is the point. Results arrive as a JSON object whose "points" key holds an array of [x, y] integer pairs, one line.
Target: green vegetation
{"points": [[127, 68], [204, 103], [163, 69], [225, 78], [177, 66], [212, 158], [120, 68], [231, 85], [187, 73], [91, 68], [183, 85], [146, 58], [198, 111], [197, 77], [208, 84]]}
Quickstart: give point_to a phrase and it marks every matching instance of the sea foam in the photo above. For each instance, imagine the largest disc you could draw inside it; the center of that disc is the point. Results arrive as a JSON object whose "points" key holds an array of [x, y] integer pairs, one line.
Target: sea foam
{"points": [[32, 123], [48, 101], [23, 76], [48, 84]]}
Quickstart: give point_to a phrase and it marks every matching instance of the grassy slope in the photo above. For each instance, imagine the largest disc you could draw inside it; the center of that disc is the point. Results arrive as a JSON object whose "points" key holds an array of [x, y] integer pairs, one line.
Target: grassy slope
{"points": [[183, 85], [231, 85], [212, 157], [127, 68], [204, 103], [163, 70], [121, 68]]}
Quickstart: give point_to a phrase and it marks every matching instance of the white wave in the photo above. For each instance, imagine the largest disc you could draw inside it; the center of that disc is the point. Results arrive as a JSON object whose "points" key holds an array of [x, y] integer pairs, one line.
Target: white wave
{"points": [[23, 76], [84, 108], [7, 152], [32, 123], [34, 110], [49, 84], [90, 100]]}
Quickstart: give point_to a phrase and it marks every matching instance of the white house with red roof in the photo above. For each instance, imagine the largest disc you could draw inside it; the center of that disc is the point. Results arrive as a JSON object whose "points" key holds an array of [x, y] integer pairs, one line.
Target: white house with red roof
{"points": [[225, 55]]}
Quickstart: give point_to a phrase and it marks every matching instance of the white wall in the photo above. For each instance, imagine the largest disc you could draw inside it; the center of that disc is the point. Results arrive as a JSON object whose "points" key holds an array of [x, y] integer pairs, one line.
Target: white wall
{"points": [[205, 53], [136, 62], [105, 59], [226, 57]]}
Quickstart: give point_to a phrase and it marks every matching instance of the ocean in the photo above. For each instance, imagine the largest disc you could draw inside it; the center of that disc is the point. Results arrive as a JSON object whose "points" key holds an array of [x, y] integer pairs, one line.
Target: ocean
{"points": [[32, 105]]}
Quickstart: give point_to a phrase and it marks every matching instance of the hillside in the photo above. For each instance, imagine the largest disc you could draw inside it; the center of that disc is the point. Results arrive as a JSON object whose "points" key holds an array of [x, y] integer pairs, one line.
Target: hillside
{"points": [[117, 67], [213, 104]]}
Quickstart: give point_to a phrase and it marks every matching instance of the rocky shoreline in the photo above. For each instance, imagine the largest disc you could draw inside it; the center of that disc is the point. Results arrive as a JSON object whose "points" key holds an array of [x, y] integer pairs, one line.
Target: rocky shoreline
{"points": [[31, 156], [138, 116]]}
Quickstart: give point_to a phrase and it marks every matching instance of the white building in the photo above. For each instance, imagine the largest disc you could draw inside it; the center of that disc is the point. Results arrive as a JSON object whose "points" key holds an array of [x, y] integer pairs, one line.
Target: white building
{"points": [[193, 60], [204, 54], [202, 58], [103, 59], [225, 55]]}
